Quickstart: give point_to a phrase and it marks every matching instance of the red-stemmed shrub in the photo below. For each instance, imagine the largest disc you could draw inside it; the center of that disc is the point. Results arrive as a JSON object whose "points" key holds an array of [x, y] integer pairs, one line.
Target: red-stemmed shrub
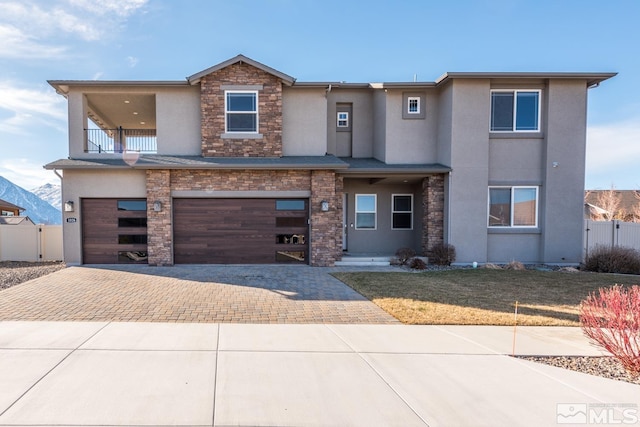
{"points": [[610, 318]]}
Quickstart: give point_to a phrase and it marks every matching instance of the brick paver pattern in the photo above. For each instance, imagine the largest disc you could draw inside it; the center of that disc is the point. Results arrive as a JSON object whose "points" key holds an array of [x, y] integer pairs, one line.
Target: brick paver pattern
{"points": [[193, 293]]}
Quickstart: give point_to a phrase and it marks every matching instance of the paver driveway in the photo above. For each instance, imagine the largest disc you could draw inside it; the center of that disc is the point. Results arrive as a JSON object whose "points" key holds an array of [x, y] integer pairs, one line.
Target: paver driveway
{"points": [[194, 293]]}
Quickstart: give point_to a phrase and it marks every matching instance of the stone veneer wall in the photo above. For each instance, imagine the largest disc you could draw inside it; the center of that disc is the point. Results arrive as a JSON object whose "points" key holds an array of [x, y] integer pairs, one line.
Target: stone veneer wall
{"points": [[159, 227], [433, 211], [212, 104], [240, 180], [326, 233]]}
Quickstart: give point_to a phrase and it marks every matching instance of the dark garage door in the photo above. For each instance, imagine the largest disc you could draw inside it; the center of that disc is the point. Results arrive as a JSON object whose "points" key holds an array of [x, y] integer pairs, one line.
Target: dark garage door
{"points": [[240, 231], [114, 231]]}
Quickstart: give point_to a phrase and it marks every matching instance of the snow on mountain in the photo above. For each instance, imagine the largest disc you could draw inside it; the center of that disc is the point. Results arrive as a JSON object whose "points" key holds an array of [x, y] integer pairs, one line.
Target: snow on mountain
{"points": [[38, 210], [50, 193]]}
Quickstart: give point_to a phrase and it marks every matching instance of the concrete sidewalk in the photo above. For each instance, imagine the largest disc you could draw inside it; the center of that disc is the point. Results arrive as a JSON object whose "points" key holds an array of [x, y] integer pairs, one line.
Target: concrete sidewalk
{"points": [[115, 374]]}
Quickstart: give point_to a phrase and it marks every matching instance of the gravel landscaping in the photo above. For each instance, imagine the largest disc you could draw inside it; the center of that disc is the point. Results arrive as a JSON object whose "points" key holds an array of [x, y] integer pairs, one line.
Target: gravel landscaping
{"points": [[607, 367], [15, 272]]}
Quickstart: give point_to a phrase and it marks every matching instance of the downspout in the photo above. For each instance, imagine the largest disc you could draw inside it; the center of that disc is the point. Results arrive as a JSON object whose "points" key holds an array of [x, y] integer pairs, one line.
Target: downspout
{"points": [[448, 240]]}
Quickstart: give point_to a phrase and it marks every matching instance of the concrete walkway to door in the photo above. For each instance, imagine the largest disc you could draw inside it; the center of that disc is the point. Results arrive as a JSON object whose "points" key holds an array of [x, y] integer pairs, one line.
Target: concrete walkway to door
{"points": [[192, 293]]}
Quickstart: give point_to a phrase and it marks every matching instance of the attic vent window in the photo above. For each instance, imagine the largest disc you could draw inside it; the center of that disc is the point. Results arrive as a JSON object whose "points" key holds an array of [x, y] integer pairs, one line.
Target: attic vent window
{"points": [[241, 111]]}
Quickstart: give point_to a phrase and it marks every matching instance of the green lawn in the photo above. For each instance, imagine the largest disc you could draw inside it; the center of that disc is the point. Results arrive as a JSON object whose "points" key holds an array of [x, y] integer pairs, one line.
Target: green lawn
{"points": [[482, 296]]}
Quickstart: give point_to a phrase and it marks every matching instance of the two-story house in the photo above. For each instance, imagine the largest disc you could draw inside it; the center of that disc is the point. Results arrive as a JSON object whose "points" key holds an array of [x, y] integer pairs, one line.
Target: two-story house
{"points": [[241, 163]]}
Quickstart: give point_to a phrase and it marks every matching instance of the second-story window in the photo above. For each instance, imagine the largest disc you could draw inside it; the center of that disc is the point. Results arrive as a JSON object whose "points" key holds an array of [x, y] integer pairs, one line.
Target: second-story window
{"points": [[413, 105], [515, 111], [241, 111], [343, 119]]}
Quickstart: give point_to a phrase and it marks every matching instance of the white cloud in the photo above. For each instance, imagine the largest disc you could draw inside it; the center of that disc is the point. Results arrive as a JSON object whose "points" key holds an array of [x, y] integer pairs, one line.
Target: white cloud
{"points": [[41, 22], [27, 28], [28, 106], [26, 173], [132, 60], [119, 7], [613, 151], [17, 44]]}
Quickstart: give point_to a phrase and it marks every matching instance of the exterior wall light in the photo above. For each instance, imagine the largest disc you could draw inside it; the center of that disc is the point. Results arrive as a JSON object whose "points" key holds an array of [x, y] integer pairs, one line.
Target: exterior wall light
{"points": [[324, 206], [157, 206], [68, 206]]}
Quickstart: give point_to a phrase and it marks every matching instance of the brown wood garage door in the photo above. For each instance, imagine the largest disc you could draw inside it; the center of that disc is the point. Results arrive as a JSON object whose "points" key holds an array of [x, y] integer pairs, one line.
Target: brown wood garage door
{"points": [[240, 231], [114, 231]]}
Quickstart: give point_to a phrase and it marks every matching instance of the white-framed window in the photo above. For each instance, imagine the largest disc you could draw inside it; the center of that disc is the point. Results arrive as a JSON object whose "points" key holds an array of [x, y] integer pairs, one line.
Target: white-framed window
{"points": [[343, 119], [515, 110], [513, 206], [366, 218], [241, 111], [402, 211], [413, 105]]}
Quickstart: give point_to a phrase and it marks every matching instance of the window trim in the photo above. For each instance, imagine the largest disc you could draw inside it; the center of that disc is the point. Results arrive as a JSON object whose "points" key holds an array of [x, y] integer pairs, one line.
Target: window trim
{"points": [[413, 98], [338, 119], [512, 210], [393, 211], [515, 110], [374, 212], [227, 112]]}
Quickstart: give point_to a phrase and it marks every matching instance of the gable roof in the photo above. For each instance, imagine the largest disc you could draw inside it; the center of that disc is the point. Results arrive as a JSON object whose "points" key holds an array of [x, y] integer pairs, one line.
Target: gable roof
{"points": [[16, 220], [5, 204], [195, 79], [628, 199]]}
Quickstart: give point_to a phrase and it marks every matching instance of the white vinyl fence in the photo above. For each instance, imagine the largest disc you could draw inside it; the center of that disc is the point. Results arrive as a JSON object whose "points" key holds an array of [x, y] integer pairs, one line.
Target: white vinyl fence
{"points": [[611, 233], [31, 243]]}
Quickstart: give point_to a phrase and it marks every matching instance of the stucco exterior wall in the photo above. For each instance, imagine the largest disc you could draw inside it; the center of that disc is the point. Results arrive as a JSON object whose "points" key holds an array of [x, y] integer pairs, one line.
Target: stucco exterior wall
{"points": [[410, 140], [78, 184], [304, 122], [362, 120], [565, 132], [178, 121], [470, 111], [379, 125]]}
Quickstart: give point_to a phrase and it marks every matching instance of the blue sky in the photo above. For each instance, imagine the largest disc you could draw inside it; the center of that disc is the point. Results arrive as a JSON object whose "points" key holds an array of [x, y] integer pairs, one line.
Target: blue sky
{"points": [[313, 40]]}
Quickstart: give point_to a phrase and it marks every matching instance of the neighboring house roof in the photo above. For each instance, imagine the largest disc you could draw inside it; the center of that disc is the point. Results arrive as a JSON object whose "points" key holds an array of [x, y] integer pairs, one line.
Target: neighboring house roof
{"points": [[194, 79], [628, 200], [5, 204], [15, 220]]}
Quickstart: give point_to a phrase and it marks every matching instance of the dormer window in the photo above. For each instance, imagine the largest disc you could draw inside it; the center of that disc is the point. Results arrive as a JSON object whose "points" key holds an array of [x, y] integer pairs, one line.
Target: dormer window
{"points": [[241, 111]]}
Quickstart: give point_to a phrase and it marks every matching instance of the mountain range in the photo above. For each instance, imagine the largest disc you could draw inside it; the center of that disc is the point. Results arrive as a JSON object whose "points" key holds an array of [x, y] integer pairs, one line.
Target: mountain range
{"points": [[39, 210]]}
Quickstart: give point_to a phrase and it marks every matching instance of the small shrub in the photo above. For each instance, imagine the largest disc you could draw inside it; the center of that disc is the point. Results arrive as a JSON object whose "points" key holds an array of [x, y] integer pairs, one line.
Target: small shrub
{"points": [[605, 259], [490, 266], [515, 265], [611, 320], [443, 254], [418, 264], [394, 260], [404, 255]]}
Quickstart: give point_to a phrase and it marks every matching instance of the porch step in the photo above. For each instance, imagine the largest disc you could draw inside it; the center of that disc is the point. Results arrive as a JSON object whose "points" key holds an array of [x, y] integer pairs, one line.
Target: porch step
{"points": [[363, 261]]}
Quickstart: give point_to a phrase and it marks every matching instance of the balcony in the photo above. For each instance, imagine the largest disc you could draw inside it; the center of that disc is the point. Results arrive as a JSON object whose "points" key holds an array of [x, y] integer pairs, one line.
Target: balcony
{"points": [[120, 140]]}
